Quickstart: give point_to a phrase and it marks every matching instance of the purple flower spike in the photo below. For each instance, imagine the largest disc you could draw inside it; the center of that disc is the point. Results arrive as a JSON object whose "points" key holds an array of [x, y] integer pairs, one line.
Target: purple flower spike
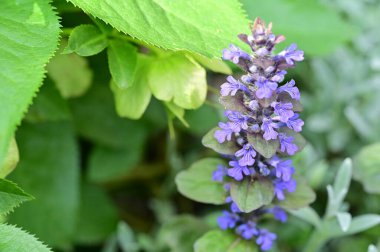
{"points": [[219, 173], [234, 208], [265, 239], [279, 76], [227, 220], [237, 171], [247, 154], [283, 110], [225, 133], [234, 54], [265, 88], [290, 54], [248, 230], [280, 186], [238, 121], [291, 89], [279, 214], [295, 123], [231, 87], [287, 145], [268, 127], [284, 170]]}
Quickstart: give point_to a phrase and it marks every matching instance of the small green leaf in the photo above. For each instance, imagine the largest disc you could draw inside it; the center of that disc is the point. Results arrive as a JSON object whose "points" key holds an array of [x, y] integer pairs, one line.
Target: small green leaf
{"points": [[126, 238], [195, 26], [262, 146], [11, 196], [178, 78], [15, 239], [367, 168], [11, 159], [251, 194], [122, 62], [226, 148], [86, 40], [234, 103], [344, 220], [196, 183], [132, 102], [307, 214], [215, 65], [302, 197], [180, 232], [70, 73], [223, 241]]}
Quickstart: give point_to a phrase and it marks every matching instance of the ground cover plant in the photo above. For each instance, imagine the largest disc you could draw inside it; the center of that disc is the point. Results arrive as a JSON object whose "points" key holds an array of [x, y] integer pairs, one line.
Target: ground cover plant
{"points": [[164, 125]]}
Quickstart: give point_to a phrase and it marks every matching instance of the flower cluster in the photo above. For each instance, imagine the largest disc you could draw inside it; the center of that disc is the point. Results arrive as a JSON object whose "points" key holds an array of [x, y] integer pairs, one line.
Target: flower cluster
{"points": [[259, 107]]}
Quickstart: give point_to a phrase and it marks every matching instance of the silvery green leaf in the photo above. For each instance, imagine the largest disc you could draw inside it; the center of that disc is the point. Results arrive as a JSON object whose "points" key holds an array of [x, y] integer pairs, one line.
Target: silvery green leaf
{"points": [[344, 220], [126, 238], [372, 248], [307, 214]]}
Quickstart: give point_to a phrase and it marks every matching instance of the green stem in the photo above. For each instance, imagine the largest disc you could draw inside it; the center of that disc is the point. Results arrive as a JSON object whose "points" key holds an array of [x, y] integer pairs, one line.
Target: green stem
{"points": [[315, 242]]}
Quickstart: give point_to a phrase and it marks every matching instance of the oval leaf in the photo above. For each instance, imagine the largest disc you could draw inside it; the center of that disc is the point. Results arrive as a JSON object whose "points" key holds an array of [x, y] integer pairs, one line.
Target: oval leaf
{"points": [[179, 78], [122, 61], [218, 241], [196, 183], [86, 40], [226, 148], [251, 194], [262, 146]]}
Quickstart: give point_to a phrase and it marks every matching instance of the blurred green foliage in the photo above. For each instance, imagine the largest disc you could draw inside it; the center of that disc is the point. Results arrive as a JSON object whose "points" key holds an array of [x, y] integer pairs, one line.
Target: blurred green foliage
{"points": [[103, 182]]}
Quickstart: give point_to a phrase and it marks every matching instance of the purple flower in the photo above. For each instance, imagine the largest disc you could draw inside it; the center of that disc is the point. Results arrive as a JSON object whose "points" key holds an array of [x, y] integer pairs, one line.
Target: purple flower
{"points": [[247, 230], [254, 105], [291, 89], [247, 154], [283, 168], [234, 208], [231, 87], [265, 88], [283, 110], [234, 54], [279, 76], [265, 239], [227, 220], [237, 171], [280, 186], [263, 169], [287, 145], [238, 121], [224, 133], [268, 127], [290, 55], [279, 214], [219, 173], [295, 123]]}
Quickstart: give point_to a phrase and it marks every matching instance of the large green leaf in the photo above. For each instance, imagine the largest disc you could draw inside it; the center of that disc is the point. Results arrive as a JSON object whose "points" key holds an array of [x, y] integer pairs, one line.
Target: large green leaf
{"points": [[204, 27], [49, 170], [178, 78], [196, 183], [28, 38], [262, 146], [314, 27], [367, 168], [11, 196], [17, 240], [250, 194], [94, 226], [218, 241]]}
